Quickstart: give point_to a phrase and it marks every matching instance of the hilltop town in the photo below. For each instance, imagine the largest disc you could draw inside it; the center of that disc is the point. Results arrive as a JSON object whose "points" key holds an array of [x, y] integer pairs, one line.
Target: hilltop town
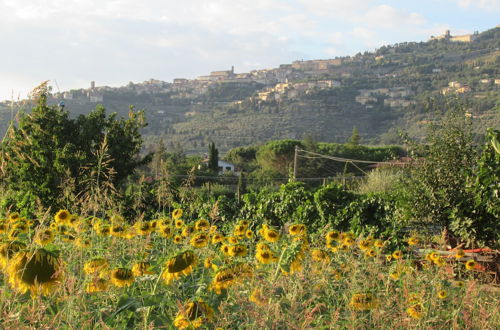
{"points": [[374, 91]]}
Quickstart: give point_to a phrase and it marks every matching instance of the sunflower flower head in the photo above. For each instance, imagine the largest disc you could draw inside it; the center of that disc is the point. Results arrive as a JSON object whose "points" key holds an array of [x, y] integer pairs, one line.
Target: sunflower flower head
{"points": [[180, 265], [63, 217], [363, 301], [194, 314], [39, 272], [121, 277]]}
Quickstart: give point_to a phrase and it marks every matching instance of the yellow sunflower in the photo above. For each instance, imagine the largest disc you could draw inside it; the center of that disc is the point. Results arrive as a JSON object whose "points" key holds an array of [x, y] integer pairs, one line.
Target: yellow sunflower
{"points": [[258, 297], [39, 272], [320, 256], [141, 269], [442, 294], [297, 229], [470, 264], [415, 311], [122, 277], [187, 230], [238, 250], [194, 314], [202, 225], [177, 214], [181, 264], [333, 236], [459, 254], [97, 285], [8, 250], [397, 254], [63, 217], [200, 240], [363, 301], [178, 239], [217, 238], [265, 256], [96, 265], [44, 237], [413, 240], [271, 235], [166, 231]]}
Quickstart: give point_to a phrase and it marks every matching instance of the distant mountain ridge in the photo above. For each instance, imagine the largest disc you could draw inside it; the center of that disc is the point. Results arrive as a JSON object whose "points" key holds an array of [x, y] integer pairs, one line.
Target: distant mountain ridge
{"points": [[378, 92]]}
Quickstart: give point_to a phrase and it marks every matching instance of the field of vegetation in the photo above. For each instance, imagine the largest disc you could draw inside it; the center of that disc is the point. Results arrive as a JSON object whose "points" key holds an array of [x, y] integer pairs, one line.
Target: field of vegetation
{"points": [[72, 271], [95, 235]]}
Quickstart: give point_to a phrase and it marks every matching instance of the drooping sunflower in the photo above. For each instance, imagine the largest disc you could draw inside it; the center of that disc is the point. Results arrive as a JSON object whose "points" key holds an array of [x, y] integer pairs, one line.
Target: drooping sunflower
{"points": [[371, 253], [194, 314], [96, 265], [121, 277], [181, 264], [44, 237], [470, 264], [217, 238], [117, 230], [232, 240], [320, 256], [200, 240], [39, 272], [379, 243], [8, 250], [364, 244], [292, 257], [103, 230], [166, 231], [83, 242], [333, 236], [265, 256], [202, 225], [459, 254], [13, 217], [223, 279], [398, 254], [239, 230], [3, 227], [228, 276], [415, 311], [62, 217], [238, 250], [258, 297], [143, 228], [187, 230], [271, 235], [414, 240], [363, 301], [97, 285], [177, 214], [262, 246], [297, 229], [141, 269]]}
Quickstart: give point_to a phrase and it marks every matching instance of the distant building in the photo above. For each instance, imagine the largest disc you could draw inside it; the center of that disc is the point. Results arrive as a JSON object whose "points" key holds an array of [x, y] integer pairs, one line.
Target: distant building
{"points": [[463, 38], [223, 166]]}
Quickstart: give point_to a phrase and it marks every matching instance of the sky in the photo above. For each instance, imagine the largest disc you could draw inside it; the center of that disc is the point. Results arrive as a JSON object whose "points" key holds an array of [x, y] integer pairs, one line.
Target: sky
{"points": [[113, 42]]}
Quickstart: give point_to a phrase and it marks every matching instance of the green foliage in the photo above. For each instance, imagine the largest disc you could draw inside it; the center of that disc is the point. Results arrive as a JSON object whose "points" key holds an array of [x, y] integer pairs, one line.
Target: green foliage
{"points": [[476, 220], [447, 186], [213, 158], [277, 156], [45, 155], [330, 201]]}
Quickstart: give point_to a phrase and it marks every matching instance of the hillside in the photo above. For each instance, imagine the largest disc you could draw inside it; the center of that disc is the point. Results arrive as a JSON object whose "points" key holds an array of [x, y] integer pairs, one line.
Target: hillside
{"points": [[377, 92]]}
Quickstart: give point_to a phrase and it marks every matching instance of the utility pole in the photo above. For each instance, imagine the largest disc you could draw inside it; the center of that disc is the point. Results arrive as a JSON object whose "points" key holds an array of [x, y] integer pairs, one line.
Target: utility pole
{"points": [[295, 165]]}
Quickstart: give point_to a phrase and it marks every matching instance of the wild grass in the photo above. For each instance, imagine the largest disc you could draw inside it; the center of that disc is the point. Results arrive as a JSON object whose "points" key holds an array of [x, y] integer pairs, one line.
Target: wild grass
{"points": [[319, 294]]}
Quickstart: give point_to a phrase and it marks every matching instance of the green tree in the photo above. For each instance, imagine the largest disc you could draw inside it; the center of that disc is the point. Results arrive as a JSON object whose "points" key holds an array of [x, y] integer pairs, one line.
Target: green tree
{"points": [[354, 140], [213, 158], [437, 181], [47, 148]]}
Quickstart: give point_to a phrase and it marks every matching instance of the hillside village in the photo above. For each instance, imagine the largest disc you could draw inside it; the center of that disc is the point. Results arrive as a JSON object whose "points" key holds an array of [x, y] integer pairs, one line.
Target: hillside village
{"points": [[374, 91]]}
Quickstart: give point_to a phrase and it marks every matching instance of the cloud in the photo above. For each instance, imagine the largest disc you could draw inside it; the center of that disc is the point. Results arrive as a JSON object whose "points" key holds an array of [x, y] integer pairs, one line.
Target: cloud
{"points": [[490, 5], [385, 16]]}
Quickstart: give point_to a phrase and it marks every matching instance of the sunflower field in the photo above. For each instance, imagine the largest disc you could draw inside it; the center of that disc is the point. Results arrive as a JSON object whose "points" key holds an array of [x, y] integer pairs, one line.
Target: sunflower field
{"points": [[68, 271]]}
